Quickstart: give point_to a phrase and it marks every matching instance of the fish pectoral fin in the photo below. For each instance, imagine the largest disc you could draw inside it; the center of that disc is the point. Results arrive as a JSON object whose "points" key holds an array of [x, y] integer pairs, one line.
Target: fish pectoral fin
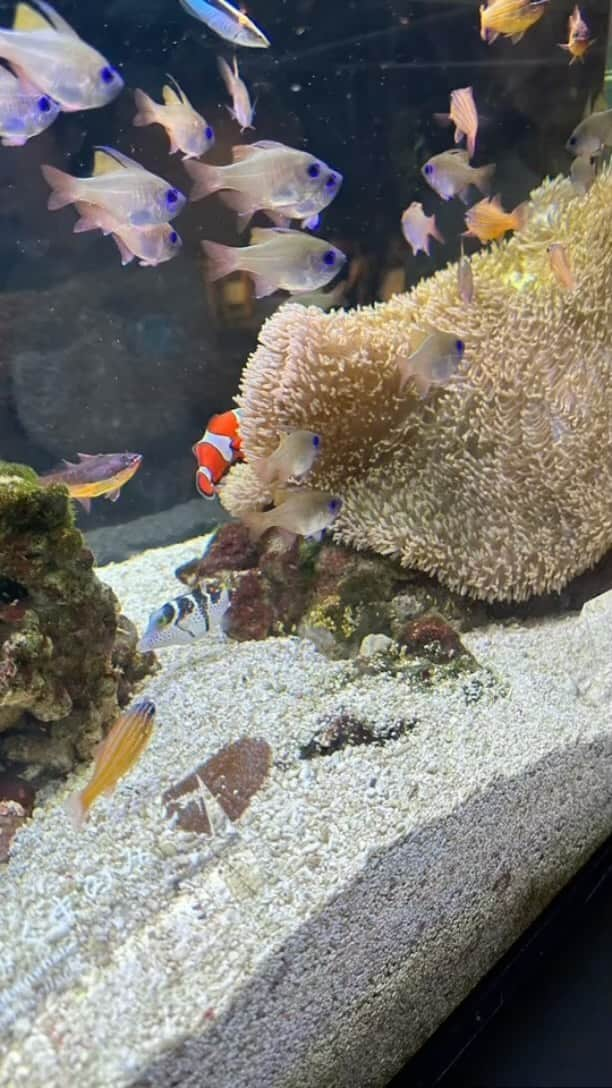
{"points": [[263, 287], [112, 496], [86, 504], [28, 19]]}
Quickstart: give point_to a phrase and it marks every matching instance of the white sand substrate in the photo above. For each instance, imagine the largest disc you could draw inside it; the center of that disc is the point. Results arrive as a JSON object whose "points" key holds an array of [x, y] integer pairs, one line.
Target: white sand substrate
{"points": [[319, 940]]}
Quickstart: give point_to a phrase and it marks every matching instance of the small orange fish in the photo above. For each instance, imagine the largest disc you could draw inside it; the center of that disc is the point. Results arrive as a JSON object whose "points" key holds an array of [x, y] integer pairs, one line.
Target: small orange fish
{"points": [[578, 40], [116, 755], [487, 220], [464, 115], [560, 265], [217, 450], [511, 18]]}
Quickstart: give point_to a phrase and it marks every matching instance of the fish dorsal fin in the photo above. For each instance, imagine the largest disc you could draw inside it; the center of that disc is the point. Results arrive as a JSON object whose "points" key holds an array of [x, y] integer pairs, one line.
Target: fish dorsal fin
{"points": [[268, 145], [259, 235], [243, 152], [7, 77], [28, 19], [51, 18], [106, 161], [174, 95], [87, 456]]}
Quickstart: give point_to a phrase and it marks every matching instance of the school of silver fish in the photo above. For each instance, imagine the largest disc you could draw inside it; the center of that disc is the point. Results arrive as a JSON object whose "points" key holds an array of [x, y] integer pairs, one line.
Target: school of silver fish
{"points": [[51, 70]]}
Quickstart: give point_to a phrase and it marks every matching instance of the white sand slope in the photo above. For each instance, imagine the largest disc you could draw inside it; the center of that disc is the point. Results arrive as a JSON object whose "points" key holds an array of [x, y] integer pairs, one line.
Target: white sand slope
{"points": [[318, 941]]}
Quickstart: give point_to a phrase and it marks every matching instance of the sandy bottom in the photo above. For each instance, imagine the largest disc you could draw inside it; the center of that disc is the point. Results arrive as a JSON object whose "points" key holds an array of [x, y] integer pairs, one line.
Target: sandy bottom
{"points": [[121, 940]]}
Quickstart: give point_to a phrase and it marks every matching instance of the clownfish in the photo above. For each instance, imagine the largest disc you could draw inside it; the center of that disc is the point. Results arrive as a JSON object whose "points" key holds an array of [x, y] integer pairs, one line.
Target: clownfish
{"points": [[217, 450]]}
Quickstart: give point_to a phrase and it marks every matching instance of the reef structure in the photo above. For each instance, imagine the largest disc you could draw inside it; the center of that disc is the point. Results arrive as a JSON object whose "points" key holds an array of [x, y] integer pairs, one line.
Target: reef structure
{"points": [[67, 657], [500, 482]]}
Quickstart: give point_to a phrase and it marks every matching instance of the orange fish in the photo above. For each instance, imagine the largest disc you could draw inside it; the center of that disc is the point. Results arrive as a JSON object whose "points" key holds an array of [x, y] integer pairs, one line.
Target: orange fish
{"points": [[96, 474], [487, 220], [217, 450], [464, 116], [511, 18], [115, 756], [578, 40], [560, 265]]}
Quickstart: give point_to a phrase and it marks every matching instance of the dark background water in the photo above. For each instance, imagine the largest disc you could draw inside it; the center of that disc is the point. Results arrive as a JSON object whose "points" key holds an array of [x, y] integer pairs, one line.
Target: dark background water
{"points": [[97, 357]]}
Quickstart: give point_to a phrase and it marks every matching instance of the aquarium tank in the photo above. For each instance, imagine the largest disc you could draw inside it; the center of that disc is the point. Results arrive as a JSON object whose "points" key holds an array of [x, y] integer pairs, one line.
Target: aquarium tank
{"points": [[305, 522]]}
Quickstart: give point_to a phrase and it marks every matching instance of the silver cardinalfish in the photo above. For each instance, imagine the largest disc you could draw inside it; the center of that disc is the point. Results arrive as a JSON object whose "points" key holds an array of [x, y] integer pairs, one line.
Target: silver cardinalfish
{"points": [[293, 458], [241, 109], [592, 135], [435, 362], [95, 475], [271, 176], [560, 265], [418, 228], [24, 110], [49, 53], [450, 174], [115, 756], [464, 115], [277, 259], [121, 186], [227, 21], [578, 37], [303, 512], [188, 618], [151, 245], [187, 130]]}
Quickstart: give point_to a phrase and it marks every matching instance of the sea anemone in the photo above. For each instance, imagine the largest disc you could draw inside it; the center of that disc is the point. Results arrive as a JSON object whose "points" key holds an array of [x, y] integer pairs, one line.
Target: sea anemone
{"points": [[500, 482]]}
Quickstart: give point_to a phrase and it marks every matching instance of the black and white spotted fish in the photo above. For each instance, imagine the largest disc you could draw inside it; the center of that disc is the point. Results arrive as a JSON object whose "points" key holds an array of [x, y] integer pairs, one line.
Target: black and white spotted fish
{"points": [[187, 619]]}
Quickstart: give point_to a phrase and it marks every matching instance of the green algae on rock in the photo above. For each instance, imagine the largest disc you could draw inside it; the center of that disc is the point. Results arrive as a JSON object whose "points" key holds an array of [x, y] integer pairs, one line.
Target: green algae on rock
{"points": [[59, 669]]}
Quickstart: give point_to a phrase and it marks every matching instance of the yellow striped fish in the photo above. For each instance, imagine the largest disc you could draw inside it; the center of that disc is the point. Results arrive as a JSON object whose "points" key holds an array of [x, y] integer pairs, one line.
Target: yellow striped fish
{"points": [[116, 755]]}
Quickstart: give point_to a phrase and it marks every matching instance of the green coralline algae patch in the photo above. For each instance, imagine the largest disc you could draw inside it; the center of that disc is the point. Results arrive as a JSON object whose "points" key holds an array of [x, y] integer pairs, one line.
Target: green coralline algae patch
{"points": [[64, 658]]}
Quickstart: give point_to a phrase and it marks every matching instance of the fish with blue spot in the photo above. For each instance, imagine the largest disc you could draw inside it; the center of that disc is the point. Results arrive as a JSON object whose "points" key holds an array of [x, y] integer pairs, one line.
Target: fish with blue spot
{"points": [[278, 259], [45, 49], [187, 130], [24, 111], [121, 186]]}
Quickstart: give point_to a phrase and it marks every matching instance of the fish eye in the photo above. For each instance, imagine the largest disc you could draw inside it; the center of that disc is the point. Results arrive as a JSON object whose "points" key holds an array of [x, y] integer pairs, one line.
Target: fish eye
{"points": [[334, 506], [331, 182], [44, 104], [208, 132], [572, 141], [316, 441], [172, 197], [173, 237], [107, 74], [428, 169], [329, 258], [314, 170], [460, 346]]}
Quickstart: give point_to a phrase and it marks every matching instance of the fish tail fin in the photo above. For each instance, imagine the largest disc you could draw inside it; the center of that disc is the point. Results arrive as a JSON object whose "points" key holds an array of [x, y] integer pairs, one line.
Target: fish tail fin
{"points": [[63, 187], [436, 233], [221, 259], [256, 522], [521, 215], [75, 808], [405, 371], [205, 485], [146, 109], [206, 179], [483, 177]]}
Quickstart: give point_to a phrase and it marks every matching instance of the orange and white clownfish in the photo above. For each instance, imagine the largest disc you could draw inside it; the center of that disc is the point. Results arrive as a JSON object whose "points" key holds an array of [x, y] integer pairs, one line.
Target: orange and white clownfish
{"points": [[217, 450]]}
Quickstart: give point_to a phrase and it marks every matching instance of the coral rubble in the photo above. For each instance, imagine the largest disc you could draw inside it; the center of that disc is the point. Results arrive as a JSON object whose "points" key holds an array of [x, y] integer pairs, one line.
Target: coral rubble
{"points": [[66, 657], [499, 483]]}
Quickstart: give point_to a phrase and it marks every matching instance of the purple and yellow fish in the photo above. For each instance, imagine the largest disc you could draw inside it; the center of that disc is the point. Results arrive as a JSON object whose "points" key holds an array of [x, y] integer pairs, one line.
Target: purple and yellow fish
{"points": [[115, 756], [95, 475]]}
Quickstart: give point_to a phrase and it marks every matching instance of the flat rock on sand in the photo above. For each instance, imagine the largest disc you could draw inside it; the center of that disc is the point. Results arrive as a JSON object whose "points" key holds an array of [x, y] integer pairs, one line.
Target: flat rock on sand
{"points": [[319, 939]]}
